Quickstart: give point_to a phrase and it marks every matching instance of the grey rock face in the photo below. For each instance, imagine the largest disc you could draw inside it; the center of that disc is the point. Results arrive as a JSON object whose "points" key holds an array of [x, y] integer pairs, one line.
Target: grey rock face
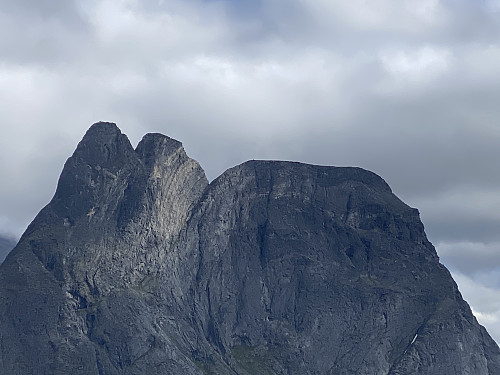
{"points": [[322, 270], [139, 266]]}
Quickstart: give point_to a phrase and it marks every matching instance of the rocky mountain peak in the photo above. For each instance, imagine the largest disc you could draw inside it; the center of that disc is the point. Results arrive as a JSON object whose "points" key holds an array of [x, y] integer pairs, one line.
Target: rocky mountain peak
{"points": [[103, 145], [155, 147], [139, 266], [91, 179]]}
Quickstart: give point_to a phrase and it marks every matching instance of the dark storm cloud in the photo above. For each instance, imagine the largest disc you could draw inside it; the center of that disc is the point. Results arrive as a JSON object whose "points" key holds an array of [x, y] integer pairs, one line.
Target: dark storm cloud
{"points": [[406, 88]]}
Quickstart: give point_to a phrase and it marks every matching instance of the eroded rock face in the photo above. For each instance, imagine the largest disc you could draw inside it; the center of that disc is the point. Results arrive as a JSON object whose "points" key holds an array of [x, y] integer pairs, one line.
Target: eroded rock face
{"points": [[139, 266]]}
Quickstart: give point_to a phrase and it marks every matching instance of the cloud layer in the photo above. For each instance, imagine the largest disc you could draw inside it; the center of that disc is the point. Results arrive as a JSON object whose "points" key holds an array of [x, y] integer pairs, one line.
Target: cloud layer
{"points": [[406, 88]]}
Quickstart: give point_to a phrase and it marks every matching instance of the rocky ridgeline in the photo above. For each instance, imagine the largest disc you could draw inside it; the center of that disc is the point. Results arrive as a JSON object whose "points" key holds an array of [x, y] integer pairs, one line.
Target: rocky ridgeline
{"points": [[139, 266]]}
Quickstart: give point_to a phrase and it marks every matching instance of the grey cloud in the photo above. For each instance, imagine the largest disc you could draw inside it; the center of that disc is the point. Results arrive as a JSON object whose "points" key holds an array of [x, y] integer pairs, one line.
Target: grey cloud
{"points": [[471, 258], [485, 302], [331, 24], [67, 12], [6, 245], [449, 227], [41, 32], [32, 178]]}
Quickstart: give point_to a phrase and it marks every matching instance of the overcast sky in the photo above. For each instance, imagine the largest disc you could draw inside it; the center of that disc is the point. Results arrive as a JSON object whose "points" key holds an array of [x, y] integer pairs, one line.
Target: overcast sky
{"points": [[409, 89]]}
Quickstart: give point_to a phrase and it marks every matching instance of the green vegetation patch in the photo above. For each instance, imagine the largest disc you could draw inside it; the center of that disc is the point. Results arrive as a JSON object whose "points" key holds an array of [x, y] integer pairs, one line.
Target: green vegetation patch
{"points": [[207, 370], [254, 360]]}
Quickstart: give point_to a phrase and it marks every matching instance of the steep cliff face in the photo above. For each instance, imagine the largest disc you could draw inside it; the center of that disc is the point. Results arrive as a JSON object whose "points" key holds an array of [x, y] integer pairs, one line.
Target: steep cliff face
{"points": [[139, 266], [321, 270]]}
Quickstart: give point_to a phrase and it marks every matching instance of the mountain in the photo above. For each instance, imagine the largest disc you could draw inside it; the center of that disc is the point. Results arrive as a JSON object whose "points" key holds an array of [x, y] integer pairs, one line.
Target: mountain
{"points": [[138, 265], [6, 245]]}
